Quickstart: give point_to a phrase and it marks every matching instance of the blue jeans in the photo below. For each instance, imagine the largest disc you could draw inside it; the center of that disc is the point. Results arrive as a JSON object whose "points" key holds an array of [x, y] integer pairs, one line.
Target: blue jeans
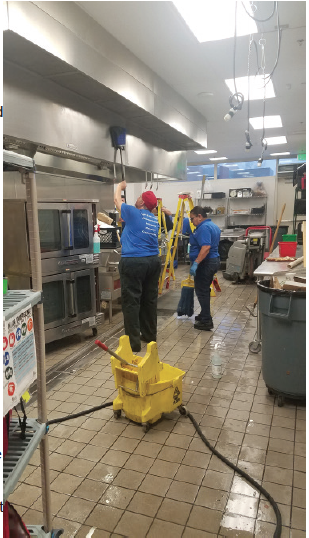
{"points": [[202, 282]]}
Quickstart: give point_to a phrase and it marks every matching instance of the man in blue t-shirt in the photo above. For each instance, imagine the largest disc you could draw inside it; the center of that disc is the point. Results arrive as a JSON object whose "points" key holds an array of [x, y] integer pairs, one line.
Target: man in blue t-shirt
{"points": [[139, 267], [204, 255]]}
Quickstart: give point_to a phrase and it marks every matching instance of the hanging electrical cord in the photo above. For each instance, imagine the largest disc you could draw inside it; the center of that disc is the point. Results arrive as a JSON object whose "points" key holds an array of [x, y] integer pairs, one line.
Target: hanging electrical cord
{"points": [[262, 43], [237, 96], [277, 533], [279, 37], [254, 10], [23, 422], [247, 132]]}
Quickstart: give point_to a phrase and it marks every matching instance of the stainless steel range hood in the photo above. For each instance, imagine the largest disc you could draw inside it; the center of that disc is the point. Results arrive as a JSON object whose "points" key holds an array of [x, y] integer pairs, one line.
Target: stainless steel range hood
{"points": [[59, 43]]}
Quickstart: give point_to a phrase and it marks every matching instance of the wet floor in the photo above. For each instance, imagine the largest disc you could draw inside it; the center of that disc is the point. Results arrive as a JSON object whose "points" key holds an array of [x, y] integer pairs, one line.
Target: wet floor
{"points": [[109, 478]]}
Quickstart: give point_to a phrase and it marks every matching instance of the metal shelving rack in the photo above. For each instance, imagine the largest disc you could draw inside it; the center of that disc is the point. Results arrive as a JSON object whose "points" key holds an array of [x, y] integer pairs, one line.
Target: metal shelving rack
{"points": [[214, 203], [252, 216], [20, 452]]}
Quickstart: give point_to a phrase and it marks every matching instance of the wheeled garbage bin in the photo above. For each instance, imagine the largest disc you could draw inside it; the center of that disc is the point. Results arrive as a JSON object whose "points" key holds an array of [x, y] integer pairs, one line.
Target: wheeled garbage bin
{"points": [[283, 328]]}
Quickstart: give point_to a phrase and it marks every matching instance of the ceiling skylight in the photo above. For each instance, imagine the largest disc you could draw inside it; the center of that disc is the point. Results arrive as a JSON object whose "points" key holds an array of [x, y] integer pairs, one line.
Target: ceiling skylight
{"points": [[204, 151], [276, 140], [269, 122], [213, 21], [256, 87]]}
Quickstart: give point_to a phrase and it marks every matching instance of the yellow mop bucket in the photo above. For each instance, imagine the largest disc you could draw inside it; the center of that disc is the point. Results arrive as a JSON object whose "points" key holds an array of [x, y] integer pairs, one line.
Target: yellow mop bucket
{"points": [[147, 387]]}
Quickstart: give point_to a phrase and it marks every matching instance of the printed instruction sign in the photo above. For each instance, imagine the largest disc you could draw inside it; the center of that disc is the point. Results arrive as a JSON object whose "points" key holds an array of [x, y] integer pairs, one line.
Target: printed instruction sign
{"points": [[19, 357]]}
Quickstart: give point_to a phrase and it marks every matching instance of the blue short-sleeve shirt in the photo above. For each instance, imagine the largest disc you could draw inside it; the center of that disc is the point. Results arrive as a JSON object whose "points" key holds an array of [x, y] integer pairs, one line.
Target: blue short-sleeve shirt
{"points": [[186, 229], [140, 236], [206, 234]]}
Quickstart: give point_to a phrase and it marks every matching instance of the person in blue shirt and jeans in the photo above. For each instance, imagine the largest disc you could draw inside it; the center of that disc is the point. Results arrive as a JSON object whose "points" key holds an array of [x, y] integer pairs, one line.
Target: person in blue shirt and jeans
{"points": [[139, 267], [204, 255]]}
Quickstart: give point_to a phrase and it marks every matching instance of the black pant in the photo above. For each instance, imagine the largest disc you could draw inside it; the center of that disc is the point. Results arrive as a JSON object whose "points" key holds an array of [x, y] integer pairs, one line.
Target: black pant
{"points": [[139, 292], [205, 272]]}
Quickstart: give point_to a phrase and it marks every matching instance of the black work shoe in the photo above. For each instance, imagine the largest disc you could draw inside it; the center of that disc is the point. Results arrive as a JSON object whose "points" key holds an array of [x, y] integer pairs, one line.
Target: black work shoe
{"points": [[136, 349], [198, 317], [203, 326], [143, 339]]}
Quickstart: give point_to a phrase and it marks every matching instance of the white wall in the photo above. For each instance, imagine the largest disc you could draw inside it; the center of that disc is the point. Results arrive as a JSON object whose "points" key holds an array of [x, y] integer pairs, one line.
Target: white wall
{"points": [[169, 191]]}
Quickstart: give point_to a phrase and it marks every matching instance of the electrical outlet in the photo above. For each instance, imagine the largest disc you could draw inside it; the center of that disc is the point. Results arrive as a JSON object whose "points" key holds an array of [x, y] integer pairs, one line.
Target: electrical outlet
{"points": [[198, 194]]}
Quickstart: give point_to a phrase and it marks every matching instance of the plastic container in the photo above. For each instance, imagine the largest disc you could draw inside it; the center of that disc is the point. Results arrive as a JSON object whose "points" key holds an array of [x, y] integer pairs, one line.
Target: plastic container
{"points": [[109, 237], [287, 248], [283, 326], [289, 237], [216, 366]]}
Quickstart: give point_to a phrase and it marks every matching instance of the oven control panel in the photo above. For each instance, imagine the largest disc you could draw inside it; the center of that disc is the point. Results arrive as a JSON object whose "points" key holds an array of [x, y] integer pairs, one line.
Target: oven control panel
{"points": [[51, 266]]}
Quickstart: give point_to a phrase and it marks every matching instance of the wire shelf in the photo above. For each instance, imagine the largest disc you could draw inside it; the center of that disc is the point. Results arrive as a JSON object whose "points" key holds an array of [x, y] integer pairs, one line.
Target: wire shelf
{"points": [[16, 300], [20, 452]]}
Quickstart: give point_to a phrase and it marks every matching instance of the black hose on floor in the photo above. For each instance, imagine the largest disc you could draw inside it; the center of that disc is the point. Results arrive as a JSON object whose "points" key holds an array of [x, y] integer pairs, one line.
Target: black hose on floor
{"points": [[277, 533], [80, 414], [183, 411]]}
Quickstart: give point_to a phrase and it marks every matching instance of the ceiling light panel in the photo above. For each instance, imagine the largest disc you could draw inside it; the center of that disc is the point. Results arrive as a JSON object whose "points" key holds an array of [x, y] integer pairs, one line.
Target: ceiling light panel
{"points": [[213, 21], [276, 140], [256, 87], [205, 151], [277, 154], [217, 158], [270, 122]]}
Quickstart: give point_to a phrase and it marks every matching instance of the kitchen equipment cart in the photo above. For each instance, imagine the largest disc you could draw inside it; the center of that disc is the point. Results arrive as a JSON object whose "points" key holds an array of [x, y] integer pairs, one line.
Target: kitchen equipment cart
{"points": [[20, 452]]}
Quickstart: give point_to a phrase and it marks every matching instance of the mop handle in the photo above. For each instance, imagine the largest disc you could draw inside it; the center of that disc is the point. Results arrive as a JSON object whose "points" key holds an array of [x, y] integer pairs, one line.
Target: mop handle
{"points": [[103, 346]]}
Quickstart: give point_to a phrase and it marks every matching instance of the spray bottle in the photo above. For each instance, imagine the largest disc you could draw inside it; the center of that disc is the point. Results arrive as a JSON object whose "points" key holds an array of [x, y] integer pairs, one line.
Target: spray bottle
{"points": [[96, 240]]}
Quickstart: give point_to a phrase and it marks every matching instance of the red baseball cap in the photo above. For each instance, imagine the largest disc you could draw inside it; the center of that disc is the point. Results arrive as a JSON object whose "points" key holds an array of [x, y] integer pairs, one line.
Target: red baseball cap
{"points": [[150, 200]]}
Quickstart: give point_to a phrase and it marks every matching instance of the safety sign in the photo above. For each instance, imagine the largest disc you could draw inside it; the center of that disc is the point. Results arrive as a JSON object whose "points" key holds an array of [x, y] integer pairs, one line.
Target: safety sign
{"points": [[19, 357]]}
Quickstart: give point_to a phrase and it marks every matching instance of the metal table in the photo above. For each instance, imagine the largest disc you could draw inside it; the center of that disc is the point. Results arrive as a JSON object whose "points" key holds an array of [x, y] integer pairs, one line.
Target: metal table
{"points": [[233, 234], [280, 268]]}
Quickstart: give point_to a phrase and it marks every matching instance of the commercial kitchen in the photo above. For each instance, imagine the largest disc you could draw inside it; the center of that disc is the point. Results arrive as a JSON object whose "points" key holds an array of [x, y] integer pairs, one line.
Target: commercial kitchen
{"points": [[203, 432]]}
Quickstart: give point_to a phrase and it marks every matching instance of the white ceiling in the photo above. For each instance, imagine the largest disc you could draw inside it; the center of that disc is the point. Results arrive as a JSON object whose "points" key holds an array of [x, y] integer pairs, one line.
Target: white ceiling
{"points": [[155, 32]]}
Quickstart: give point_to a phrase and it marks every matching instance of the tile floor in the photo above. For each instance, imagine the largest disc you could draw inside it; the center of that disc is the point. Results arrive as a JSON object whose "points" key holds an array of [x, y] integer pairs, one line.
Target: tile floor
{"points": [[108, 478]]}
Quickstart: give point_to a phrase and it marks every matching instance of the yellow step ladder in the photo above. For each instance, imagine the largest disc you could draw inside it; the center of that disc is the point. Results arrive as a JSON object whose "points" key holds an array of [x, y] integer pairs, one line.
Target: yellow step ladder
{"points": [[183, 199]]}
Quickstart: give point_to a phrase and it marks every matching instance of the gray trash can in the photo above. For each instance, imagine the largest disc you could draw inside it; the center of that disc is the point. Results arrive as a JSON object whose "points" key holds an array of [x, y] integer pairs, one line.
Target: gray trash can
{"points": [[283, 327]]}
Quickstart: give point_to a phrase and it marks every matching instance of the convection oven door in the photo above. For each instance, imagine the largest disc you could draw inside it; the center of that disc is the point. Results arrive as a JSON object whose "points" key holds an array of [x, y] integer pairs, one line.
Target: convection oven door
{"points": [[55, 226], [55, 300], [82, 228], [82, 301]]}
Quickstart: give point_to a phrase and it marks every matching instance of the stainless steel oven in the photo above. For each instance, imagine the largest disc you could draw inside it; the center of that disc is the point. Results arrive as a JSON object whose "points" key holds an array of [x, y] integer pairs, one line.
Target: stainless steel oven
{"points": [[66, 229], [69, 267], [69, 300]]}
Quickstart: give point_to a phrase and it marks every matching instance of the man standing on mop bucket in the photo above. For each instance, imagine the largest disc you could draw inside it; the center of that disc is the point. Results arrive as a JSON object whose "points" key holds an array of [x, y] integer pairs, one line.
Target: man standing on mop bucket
{"points": [[139, 267], [204, 242]]}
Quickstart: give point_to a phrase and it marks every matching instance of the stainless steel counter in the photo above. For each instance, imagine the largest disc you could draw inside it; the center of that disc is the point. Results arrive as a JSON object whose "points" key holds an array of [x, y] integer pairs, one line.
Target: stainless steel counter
{"points": [[279, 268], [232, 235]]}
